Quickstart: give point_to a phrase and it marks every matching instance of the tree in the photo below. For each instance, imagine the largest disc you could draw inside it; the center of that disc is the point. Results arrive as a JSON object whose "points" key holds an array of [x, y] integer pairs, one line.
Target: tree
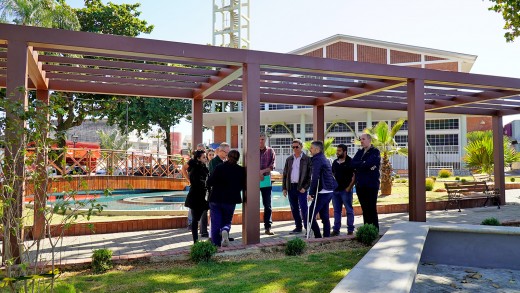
{"points": [[479, 152], [112, 140], [383, 138], [96, 17], [510, 10], [43, 13], [143, 113]]}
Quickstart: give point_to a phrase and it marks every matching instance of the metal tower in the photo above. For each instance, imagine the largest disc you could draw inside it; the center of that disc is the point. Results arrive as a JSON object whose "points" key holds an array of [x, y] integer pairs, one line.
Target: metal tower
{"points": [[231, 23]]}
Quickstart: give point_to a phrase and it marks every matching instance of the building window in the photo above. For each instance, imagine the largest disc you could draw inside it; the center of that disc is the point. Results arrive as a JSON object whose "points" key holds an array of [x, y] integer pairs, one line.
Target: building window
{"points": [[304, 107], [309, 128], [280, 129], [347, 140], [280, 107], [374, 123], [442, 139], [262, 128], [280, 141], [341, 127], [442, 124], [361, 126], [401, 139]]}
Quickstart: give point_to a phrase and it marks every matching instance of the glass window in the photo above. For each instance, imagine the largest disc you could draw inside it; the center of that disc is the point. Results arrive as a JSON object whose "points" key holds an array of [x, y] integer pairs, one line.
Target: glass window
{"points": [[404, 127], [280, 141], [443, 139], [309, 128], [361, 126], [442, 124], [280, 129], [401, 139], [280, 107]]}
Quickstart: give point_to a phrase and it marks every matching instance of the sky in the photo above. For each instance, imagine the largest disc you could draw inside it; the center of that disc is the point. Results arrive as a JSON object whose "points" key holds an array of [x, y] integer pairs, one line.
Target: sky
{"points": [[462, 26]]}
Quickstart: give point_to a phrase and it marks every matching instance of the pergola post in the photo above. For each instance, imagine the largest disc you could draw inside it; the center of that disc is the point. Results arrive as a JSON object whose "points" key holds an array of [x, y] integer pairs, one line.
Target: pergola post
{"points": [[251, 153], [16, 92], [498, 157], [318, 119], [40, 198], [197, 107], [416, 150]]}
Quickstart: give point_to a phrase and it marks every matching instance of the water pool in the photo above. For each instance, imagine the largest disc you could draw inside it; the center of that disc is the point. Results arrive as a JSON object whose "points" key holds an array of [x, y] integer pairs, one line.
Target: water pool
{"points": [[153, 201]]}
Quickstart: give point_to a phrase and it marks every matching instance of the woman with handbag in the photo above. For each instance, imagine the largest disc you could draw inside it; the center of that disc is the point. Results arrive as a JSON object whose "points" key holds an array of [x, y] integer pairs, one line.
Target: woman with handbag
{"points": [[196, 198]]}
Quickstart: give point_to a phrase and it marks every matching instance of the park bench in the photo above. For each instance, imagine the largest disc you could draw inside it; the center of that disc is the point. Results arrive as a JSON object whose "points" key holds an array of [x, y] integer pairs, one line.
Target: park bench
{"points": [[402, 172], [458, 191]]}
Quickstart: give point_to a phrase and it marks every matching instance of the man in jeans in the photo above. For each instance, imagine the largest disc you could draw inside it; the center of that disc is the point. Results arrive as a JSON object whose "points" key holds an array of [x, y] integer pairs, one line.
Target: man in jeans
{"points": [[344, 175], [267, 158], [296, 181]]}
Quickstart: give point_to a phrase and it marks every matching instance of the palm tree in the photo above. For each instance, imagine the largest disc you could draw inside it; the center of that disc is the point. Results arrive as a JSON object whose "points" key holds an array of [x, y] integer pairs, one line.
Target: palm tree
{"points": [[42, 13], [383, 138], [328, 149], [479, 152]]}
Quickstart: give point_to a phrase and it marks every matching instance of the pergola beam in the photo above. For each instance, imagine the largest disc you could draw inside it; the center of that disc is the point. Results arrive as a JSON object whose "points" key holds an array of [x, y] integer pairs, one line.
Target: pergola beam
{"points": [[352, 93], [471, 99], [35, 71], [215, 83]]}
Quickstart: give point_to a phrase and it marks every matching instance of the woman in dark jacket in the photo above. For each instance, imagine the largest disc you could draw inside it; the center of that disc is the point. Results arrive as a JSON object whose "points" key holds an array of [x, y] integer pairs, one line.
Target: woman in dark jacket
{"points": [[196, 199], [227, 182]]}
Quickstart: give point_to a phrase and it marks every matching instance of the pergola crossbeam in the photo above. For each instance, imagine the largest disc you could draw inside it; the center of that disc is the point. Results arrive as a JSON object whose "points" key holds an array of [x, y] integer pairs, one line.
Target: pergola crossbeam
{"points": [[223, 78], [353, 93], [35, 71], [471, 99]]}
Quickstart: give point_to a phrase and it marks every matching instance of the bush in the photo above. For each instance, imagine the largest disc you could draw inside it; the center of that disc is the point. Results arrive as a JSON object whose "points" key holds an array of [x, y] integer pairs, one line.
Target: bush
{"points": [[463, 180], [295, 246], [457, 178], [429, 184], [434, 178], [444, 173], [491, 222], [367, 233], [397, 176], [202, 251], [101, 260], [512, 179]]}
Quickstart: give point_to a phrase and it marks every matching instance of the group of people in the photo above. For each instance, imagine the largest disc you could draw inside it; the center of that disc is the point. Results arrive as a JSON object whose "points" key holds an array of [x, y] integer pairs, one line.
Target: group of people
{"points": [[217, 182], [315, 180]]}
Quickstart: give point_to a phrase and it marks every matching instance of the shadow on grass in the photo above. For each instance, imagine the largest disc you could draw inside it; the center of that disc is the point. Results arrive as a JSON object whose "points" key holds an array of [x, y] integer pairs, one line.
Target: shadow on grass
{"points": [[318, 272]]}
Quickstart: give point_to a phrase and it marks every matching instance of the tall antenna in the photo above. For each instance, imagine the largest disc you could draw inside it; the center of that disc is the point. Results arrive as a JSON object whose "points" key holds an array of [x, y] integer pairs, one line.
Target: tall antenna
{"points": [[231, 23]]}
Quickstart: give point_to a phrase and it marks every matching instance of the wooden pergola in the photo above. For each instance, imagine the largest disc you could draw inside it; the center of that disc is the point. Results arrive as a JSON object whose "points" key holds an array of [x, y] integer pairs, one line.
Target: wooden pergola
{"points": [[57, 60]]}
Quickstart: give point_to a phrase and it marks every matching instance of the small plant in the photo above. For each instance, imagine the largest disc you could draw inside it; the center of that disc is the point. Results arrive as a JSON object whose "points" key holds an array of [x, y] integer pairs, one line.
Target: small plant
{"points": [[101, 260], [295, 246], [397, 176], [512, 179], [457, 178], [463, 180], [202, 251], [491, 222], [434, 178], [444, 173], [429, 184], [367, 233]]}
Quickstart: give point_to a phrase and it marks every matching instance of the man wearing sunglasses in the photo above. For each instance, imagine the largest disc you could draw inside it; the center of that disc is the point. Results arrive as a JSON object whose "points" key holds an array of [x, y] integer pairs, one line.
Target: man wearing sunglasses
{"points": [[296, 181]]}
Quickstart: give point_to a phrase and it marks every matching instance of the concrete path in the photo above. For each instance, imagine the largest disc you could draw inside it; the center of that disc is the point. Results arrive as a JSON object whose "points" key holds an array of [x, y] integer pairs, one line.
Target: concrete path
{"points": [[142, 244]]}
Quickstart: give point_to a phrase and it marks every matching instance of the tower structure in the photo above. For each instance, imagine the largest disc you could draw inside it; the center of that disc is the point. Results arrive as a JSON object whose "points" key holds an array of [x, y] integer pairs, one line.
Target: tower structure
{"points": [[231, 23]]}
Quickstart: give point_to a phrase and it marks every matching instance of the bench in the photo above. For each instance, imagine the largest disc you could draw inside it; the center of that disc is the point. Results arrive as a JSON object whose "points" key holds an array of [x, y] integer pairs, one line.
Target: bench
{"points": [[402, 172], [481, 177], [474, 189]]}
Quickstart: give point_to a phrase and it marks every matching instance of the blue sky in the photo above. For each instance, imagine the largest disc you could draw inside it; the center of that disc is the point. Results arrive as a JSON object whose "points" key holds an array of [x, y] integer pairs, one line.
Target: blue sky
{"points": [[463, 26]]}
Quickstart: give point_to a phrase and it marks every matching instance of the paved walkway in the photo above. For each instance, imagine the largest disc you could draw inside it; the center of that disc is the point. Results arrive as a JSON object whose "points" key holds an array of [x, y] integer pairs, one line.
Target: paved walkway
{"points": [[130, 245]]}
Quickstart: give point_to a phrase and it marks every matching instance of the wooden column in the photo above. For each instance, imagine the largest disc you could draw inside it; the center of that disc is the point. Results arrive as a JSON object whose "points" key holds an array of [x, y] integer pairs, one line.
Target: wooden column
{"points": [[498, 157], [197, 108], [318, 119], [251, 153], [40, 191], [416, 151], [16, 92]]}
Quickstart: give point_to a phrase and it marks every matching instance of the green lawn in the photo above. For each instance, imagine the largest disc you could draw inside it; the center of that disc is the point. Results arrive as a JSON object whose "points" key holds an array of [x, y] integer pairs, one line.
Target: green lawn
{"points": [[318, 272]]}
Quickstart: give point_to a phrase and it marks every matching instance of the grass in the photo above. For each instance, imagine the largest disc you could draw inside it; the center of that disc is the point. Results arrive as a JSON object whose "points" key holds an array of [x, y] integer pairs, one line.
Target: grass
{"points": [[319, 272]]}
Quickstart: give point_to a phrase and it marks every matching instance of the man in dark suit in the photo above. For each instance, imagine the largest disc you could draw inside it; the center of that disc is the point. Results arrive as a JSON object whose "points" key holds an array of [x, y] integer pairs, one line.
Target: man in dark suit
{"points": [[296, 181]]}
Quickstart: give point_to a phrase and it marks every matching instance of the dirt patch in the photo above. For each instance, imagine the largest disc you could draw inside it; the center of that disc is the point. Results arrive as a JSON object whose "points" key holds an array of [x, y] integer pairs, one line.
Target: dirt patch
{"points": [[265, 253], [511, 223]]}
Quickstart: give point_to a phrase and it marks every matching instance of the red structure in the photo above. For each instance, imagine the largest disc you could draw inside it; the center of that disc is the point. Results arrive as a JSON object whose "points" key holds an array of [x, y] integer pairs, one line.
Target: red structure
{"points": [[176, 139], [142, 67]]}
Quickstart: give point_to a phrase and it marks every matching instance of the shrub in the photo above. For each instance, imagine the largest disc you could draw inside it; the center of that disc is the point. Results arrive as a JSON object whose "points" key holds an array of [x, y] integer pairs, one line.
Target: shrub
{"points": [[491, 222], [397, 176], [434, 178], [202, 251], [444, 173], [367, 233], [295, 246], [429, 184], [101, 260], [463, 180], [457, 178], [512, 179]]}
